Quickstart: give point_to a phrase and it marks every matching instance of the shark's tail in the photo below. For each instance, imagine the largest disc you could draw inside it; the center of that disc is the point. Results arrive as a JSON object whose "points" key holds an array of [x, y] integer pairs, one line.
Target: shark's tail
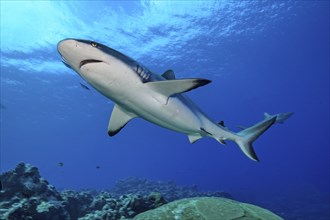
{"points": [[246, 137], [280, 118]]}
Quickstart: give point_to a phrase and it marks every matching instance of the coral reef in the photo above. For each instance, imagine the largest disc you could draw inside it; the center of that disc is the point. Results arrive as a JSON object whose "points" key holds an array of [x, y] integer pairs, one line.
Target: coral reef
{"points": [[169, 189], [126, 206], [25, 195]]}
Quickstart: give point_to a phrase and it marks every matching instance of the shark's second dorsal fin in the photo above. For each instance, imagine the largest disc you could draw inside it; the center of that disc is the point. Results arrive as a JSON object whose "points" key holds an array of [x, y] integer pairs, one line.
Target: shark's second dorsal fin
{"points": [[222, 123], [172, 87], [169, 75], [119, 118]]}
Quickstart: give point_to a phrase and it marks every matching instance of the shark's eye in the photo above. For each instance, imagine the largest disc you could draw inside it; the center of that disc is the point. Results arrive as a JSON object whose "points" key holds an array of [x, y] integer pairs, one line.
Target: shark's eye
{"points": [[94, 44]]}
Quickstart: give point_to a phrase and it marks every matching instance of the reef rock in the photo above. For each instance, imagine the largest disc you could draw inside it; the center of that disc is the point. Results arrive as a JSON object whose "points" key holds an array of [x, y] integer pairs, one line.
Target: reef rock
{"points": [[168, 189], [207, 208]]}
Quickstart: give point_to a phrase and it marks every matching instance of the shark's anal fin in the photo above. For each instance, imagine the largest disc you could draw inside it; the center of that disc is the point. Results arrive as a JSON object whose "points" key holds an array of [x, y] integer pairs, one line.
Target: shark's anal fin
{"points": [[172, 87], [169, 75], [119, 118]]}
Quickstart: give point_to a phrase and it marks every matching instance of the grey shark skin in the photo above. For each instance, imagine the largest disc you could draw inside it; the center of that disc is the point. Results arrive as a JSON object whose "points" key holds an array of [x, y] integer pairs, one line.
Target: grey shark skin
{"points": [[138, 92]]}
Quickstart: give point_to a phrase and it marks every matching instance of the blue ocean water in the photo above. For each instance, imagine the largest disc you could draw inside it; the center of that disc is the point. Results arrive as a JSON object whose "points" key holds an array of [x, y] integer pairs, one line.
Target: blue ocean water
{"points": [[262, 56]]}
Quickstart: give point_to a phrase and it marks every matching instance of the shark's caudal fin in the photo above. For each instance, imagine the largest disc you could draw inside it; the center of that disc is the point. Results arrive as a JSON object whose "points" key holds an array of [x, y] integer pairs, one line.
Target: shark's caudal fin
{"points": [[280, 118], [246, 137]]}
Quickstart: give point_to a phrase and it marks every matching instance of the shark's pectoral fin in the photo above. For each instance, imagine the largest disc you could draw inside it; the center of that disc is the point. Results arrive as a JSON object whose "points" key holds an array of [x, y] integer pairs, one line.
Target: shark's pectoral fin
{"points": [[172, 87], [169, 75], [119, 118], [194, 137]]}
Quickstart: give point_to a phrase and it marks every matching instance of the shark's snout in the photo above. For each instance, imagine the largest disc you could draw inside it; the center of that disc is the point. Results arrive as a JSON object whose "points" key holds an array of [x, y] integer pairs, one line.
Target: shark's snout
{"points": [[71, 53], [65, 45]]}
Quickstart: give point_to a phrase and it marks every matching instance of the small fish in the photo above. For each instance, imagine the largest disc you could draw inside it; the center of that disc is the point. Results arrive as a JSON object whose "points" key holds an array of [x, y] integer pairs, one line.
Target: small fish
{"points": [[98, 167], [84, 86], [0, 185], [61, 164], [2, 106]]}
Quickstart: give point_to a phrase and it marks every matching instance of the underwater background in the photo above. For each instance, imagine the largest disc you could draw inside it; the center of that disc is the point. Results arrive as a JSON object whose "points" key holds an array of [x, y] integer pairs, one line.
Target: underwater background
{"points": [[262, 56]]}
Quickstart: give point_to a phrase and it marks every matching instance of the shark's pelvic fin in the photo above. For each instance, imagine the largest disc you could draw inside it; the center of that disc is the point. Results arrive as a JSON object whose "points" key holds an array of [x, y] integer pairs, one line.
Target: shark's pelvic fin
{"points": [[119, 118], [194, 137], [169, 75], [172, 87]]}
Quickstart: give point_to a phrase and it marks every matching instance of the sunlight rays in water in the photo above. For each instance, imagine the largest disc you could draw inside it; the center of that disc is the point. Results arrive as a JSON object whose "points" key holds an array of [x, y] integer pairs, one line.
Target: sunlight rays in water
{"points": [[164, 29]]}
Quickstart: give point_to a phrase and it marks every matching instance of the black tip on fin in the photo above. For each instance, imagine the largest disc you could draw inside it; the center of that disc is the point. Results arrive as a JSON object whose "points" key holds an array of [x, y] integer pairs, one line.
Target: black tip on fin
{"points": [[113, 133], [202, 82], [199, 83]]}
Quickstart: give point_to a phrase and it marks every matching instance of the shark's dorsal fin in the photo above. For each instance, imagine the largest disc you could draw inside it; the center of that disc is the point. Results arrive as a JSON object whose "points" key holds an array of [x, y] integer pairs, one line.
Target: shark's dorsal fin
{"points": [[119, 118], [169, 75], [172, 87]]}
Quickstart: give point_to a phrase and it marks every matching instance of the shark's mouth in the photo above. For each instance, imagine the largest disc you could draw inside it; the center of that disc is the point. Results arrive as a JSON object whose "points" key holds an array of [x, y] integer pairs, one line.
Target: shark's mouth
{"points": [[84, 62]]}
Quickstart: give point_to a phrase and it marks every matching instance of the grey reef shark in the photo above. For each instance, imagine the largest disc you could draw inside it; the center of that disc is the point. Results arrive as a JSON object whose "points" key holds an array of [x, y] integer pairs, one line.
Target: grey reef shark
{"points": [[159, 99]]}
